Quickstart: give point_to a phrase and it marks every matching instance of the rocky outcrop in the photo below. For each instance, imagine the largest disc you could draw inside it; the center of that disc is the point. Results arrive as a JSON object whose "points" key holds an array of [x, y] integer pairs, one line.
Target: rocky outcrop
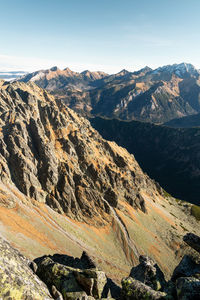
{"points": [[193, 241], [74, 278], [55, 157], [136, 290], [189, 266], [188, 288], [17, 280], [149, 273]]}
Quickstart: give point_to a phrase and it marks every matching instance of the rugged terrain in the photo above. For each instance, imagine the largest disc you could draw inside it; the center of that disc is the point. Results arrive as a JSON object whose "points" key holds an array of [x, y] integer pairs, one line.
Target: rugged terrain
{"points": [[169, 155], [64, 189], [148, 95], [70, 278]]}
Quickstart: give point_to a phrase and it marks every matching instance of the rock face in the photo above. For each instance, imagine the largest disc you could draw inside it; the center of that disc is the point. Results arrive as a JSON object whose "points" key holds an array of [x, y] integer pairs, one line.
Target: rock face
{"points": [[186, 268], [17, 281], [53, 156], [64, 189]]}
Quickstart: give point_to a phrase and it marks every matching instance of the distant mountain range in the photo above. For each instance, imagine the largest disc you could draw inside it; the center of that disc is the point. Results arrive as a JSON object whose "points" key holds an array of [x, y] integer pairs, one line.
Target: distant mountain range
{"points": [[157, 96], [8, 76]]}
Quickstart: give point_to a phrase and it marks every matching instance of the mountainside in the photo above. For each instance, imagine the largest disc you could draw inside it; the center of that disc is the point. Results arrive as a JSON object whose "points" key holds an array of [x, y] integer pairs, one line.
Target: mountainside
{"points": [[185, 122], [148, 95], [169, 155], [65, 189]]}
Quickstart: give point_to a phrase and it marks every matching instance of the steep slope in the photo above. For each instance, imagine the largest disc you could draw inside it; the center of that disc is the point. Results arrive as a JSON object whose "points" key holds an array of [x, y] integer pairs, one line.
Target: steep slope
{"points": [[185, 122], [169, 155], [64, 189], [157, 96]]}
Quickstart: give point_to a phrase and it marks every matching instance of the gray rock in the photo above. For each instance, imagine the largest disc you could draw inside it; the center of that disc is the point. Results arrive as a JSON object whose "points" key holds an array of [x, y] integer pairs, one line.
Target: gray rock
{"points": [[92, 281], [186, 268], [135, 290], [193, 241], [188, 288], [72, 283], [17, 280], [149, 273]]}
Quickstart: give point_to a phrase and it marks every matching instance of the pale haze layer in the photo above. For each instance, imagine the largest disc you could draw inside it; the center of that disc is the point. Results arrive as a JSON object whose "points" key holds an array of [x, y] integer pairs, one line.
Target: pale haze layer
{"points": [[106, 35]]}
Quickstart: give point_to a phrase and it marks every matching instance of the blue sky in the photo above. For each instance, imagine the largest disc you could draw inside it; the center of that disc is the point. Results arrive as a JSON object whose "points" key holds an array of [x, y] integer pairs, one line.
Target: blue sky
{"points": [[106, 35]]}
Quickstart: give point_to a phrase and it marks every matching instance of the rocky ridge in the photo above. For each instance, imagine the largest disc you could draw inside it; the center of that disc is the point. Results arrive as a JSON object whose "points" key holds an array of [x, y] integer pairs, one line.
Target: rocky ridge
{"points": [[55, 157], [56, 79], [158, 96]]}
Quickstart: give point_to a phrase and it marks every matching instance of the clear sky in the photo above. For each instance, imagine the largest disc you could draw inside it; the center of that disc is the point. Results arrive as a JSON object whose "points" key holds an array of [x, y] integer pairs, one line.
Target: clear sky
{"points": [[106, 35]]}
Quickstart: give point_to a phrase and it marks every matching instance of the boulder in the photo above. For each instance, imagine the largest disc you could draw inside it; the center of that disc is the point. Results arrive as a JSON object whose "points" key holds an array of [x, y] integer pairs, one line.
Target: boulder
{"points": [[187, 267], [17, 280], [72, 283], [149, 273], [193, 241], [87, 261], [133, 289], [92, 281], [188, 288]]}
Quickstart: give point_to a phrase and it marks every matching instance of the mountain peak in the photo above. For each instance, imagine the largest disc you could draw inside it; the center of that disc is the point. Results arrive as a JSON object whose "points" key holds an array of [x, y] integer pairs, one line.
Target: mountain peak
{"points": [[143, 71], [122, 72], [181, 70], [55, 68]]}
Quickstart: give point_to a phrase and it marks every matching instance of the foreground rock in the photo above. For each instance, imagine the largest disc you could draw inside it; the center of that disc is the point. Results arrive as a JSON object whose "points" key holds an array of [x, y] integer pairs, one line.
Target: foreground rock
{"points": [[149, 273], [74, 278], [188, 267], [69, 278], [17, 281], [188, 288], [136, 290], [193, 241]]}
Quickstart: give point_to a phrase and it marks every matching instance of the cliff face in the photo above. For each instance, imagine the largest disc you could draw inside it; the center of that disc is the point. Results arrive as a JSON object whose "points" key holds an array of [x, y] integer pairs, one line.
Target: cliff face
{"points": [[64, 189], [53, 156]]}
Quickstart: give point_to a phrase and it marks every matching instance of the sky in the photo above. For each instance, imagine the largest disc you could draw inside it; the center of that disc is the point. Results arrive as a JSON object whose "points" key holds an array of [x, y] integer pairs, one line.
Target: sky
{"points": [[105, 35]]}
